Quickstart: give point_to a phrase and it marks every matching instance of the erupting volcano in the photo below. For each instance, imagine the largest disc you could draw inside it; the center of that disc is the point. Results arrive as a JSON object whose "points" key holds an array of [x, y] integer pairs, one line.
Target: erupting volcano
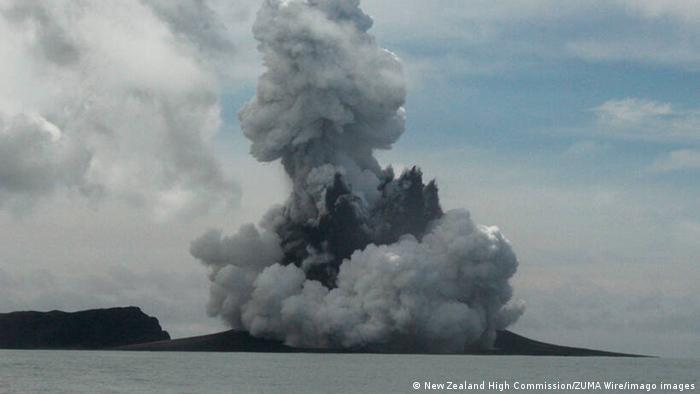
{"points": [[358, 256]]}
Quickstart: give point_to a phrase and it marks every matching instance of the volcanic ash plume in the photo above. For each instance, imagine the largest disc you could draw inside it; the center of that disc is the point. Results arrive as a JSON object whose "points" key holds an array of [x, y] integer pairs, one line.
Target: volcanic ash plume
{"points": [[357, 257]]}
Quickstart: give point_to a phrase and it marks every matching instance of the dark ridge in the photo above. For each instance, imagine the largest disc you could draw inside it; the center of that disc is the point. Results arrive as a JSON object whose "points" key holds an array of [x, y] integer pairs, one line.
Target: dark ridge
{"points": [[507, 343], [90, 329]]}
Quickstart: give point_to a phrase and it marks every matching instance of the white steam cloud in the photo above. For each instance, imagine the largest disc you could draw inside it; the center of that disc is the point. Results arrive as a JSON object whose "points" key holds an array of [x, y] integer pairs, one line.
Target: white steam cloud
{"points": [[357, 257], [106, 98]]}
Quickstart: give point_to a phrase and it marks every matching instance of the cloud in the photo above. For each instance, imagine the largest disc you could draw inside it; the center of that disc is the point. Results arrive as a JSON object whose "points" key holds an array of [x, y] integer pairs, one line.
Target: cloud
{"points": [[658, 50], [631, 111], [108, 100], [497, 37], [197, 23], [216, 33], [35, 157], [685, 11], [581, 307], [677, 160], [645, 119], [650, 32]]}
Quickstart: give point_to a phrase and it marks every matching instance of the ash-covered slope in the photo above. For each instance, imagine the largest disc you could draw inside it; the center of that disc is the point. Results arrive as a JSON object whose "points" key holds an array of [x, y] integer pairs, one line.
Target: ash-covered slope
{"points": [[507, 343], [90, 329]]}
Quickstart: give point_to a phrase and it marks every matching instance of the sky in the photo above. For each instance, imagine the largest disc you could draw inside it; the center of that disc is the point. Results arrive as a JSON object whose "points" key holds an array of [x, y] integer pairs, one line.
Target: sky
{"points": [[573, 126]]}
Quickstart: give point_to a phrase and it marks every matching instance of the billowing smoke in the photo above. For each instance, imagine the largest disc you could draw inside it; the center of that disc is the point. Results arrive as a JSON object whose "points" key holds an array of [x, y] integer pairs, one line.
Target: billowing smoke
{"points": [[110, 100], [358, 256]]}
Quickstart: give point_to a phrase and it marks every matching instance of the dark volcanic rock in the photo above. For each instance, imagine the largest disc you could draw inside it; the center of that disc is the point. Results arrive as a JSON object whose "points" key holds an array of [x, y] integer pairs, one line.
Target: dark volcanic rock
{"points": [[91, 329], [509, 343]]}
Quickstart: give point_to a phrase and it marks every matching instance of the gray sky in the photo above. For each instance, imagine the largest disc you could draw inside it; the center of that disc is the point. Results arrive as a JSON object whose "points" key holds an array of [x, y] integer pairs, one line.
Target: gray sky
{"points": [[572, 127]]}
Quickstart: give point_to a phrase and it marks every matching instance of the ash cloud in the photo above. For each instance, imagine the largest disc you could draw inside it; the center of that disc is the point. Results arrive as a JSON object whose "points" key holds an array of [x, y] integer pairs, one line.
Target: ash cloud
{"points": [[107, 100], [357, 257]]}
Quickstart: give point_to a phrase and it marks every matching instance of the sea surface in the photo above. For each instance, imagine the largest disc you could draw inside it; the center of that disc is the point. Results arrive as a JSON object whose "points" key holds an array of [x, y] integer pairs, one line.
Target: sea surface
{"points": [[30, 371]]}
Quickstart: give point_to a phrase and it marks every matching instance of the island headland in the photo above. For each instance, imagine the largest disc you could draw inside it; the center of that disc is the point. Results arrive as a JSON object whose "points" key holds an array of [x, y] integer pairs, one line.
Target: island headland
{"points": [[90, 329]]}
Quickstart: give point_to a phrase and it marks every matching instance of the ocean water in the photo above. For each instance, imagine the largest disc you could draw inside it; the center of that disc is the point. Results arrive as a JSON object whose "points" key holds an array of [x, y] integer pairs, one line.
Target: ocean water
{"points": [[144, 372]]}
